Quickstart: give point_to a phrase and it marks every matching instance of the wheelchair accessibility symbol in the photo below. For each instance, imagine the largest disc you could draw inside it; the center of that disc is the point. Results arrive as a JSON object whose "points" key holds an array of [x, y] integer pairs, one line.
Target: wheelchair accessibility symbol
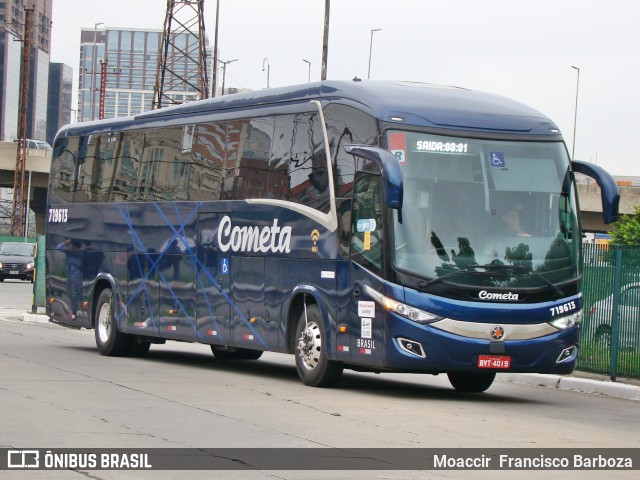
{"points": [[224, 266], [497, 159]]}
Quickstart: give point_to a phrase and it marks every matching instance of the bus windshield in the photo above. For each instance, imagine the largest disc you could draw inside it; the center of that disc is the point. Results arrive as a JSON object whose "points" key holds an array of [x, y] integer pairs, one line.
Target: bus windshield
{"points": [[485, 213]]}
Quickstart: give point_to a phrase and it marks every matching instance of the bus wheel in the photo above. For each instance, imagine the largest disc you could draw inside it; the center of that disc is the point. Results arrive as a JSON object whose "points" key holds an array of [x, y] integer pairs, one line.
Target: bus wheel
{"points": [[314, 368], [109, 340], [231, 353], [471, 382]]}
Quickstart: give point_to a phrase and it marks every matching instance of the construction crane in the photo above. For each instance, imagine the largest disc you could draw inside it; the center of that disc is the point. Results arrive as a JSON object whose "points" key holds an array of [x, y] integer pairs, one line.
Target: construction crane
{"points": [[19, 209], [182, 67]]}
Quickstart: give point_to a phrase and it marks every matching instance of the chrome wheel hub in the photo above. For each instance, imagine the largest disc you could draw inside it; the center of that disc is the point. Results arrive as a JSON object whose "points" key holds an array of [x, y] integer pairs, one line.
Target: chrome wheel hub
{"points": [[104, 322], [310, 345]]}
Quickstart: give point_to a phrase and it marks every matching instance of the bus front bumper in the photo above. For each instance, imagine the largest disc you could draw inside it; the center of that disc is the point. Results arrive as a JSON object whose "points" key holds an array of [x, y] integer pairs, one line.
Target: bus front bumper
{"points": [[425, 348]]}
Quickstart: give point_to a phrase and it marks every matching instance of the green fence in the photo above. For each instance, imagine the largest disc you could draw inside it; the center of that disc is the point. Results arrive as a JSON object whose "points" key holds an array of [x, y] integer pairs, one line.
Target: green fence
{"points": [[39, 296], [610, 342]]}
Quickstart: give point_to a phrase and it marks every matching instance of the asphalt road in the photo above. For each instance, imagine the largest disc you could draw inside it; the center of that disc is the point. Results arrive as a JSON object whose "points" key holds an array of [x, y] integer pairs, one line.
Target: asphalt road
{"points": [[56, 391]]}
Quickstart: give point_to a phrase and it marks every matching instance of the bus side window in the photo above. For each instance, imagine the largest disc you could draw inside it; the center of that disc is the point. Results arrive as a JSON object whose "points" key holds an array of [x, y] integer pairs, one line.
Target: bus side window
{"points": [[366, 222], [299, 162], [207, 151], [346, 125], [255, 143], [126, 167], [63, 168]]}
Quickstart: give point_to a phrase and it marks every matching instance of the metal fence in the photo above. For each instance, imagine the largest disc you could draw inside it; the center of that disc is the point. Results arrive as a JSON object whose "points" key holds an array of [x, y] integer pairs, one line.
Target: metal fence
{"points": [[610, 342]]}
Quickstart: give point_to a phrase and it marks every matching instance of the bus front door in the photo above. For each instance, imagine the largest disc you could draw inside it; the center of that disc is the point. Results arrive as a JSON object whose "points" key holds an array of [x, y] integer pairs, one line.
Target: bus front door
{"points": [[367, 232], [213, 285]]}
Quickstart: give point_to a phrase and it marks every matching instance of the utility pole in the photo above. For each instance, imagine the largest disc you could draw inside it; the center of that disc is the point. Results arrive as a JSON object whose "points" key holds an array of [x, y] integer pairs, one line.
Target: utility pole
{"points": [[18, 211], [103, 88], [215, 52], [325, 40], [92, 115], [184, 17]]}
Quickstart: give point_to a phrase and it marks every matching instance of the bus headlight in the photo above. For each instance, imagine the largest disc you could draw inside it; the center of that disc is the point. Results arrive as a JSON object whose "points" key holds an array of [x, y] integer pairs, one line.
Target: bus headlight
{"points": [[406, 311], [563, 323]]}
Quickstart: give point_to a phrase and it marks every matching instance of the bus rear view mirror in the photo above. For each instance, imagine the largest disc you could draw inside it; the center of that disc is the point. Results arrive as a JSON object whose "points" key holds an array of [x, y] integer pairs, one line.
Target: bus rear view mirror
{"points": [[388, 166], [609, 189]]}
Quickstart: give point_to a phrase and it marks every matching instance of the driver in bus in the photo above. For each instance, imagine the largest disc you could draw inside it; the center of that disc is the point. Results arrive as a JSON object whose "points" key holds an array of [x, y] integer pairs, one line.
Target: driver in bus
{"points": [[511, 220]]}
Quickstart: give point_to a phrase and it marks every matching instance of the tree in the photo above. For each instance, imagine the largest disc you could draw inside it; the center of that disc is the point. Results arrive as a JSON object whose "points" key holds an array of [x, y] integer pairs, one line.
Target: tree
{"points": [[626, 231]]}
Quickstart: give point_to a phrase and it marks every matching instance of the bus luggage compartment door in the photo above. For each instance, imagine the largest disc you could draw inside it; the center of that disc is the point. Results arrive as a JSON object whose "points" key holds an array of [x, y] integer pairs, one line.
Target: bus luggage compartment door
{"points": [[252, 325], [177, 293], [213, 284]]}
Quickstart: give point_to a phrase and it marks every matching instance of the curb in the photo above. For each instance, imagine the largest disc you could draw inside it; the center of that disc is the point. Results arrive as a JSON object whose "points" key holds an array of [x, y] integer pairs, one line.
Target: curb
{"points": [[583, 385], [34, 318]]}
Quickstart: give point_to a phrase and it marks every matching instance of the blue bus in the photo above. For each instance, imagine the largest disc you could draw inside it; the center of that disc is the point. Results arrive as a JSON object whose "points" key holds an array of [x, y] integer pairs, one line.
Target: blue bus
{"points": [[373, 226]]}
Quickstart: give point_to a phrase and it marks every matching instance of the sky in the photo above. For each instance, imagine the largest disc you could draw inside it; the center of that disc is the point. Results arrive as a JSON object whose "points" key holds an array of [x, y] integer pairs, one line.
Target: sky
{"points": [[522, 50]]}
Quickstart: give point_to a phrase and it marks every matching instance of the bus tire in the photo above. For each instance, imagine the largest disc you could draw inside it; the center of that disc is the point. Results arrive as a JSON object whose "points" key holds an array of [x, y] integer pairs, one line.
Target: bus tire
{"points": [[314, 368], [109, 340], [235, 353], [471, 382]]}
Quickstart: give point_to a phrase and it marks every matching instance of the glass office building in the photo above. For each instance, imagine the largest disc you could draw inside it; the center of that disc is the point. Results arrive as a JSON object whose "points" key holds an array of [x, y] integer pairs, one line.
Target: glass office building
{"points": [[59, 102], [12, 18], [128, 59]]}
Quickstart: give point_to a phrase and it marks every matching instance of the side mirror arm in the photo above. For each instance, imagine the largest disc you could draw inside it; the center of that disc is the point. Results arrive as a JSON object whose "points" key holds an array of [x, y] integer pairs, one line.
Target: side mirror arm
{"points": [[610, 194]]}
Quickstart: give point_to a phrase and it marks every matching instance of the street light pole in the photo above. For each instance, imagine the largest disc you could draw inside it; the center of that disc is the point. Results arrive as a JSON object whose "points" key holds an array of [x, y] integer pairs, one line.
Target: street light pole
{"points": [[93, 69], [575, 114], [266, 60], [309, 75], [224, 71], [325, 41], [370, 49], [215, 53]]}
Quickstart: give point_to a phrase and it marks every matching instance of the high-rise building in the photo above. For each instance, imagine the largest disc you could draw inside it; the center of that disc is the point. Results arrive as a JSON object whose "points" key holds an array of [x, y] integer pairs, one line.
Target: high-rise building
{"points": [[121, 64], [10, 58], [12, 17], [59, 101]]}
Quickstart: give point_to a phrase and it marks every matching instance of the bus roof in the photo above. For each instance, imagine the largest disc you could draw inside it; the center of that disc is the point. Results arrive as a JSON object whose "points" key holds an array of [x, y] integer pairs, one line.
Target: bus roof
{"points": [[405, 103]]}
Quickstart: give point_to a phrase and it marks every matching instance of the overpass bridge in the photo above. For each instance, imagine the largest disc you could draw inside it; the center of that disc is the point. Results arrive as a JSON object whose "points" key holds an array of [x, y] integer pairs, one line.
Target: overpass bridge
{"points": [[39, 161], [591, 204]]}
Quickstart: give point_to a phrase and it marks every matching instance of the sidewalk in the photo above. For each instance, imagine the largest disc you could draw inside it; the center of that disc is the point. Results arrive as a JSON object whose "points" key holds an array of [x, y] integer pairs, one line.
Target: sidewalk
{"points": [[577, 381]]}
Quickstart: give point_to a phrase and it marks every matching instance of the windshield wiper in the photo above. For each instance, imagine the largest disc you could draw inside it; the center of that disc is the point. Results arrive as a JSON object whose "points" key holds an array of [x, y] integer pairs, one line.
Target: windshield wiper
{"points": [[493, 266], [426, 284], [526, 269]]}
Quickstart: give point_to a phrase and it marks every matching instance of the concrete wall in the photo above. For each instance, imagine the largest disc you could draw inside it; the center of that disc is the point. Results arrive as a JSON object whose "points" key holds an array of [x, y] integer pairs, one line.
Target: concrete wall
{"points": [[589, 196], [38, 162]]}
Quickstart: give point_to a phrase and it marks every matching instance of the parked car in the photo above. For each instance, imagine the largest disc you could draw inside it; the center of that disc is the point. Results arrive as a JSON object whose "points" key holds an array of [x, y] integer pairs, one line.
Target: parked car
{"points": [[37, 144], [601, 314], [17, 260]]}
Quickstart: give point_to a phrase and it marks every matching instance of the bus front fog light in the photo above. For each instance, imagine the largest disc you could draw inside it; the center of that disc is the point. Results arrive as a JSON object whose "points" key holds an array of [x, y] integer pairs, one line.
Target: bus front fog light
{"points": [[568, 354], [412, 347]]}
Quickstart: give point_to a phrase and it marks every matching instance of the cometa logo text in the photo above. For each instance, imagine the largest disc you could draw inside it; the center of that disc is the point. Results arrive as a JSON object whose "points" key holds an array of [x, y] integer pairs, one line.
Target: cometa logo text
{"points": [[273, 239], [484, 295]]}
